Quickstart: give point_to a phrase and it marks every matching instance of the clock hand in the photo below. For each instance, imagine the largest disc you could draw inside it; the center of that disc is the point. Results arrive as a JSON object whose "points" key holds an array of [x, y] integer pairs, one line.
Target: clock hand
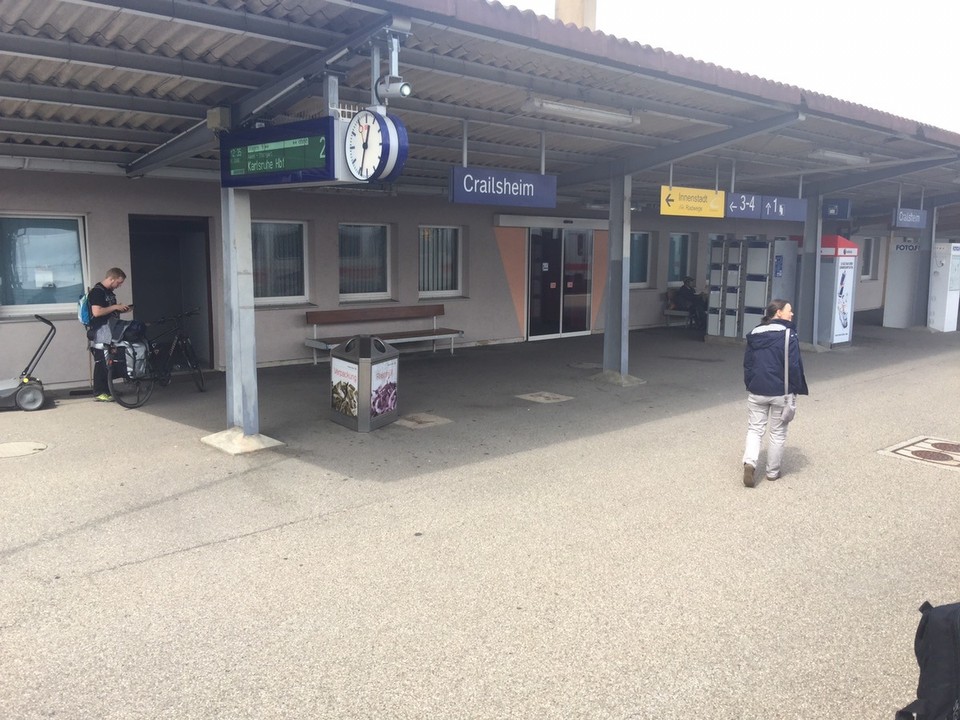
{"points": [[363, 155]]}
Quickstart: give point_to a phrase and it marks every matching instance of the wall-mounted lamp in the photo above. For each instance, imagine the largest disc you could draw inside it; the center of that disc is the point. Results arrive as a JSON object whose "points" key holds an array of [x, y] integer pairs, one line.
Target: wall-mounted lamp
{"points": [[578, 112], [839, 157], [390, 87]]}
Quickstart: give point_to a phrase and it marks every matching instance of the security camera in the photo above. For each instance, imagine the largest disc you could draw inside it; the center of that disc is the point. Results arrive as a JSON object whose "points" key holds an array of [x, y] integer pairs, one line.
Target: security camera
{"points": [[392, 86]]}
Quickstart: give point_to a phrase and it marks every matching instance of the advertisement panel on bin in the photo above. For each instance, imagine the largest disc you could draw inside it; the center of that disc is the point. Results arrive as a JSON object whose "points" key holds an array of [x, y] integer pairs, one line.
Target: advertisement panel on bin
{"points": [[345, 380], [383, 388]]}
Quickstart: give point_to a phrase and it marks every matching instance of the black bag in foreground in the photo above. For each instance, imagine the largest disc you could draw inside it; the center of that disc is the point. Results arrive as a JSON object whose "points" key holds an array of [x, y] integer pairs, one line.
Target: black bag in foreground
{"points": [[937, 646]]}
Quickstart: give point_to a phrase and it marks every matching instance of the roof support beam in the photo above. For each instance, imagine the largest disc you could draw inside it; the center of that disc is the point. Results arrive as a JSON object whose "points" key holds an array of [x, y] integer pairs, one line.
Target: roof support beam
{"points": [[221, 19], [69, 51], [80, 131], [858, 179], [649, 159], [200, 138], [94, 99]]}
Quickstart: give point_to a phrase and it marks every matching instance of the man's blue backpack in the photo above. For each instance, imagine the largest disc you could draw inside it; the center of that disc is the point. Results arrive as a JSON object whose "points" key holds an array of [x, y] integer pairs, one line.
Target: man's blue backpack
{"points": [[84, 314]]}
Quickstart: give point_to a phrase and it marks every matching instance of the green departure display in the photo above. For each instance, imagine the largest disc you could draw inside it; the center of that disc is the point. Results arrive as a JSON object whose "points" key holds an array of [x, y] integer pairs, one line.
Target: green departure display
{"points": [[281, 156]]}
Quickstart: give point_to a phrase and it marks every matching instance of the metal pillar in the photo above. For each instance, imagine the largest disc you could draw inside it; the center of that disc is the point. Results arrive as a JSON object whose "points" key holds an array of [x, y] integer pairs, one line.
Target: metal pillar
{"points": [[616, 331], [241, 344]]}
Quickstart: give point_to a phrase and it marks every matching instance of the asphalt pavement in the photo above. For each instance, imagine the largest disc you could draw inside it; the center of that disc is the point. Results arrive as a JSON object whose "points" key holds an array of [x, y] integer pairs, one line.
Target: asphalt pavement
{"points": [[526, 541]]}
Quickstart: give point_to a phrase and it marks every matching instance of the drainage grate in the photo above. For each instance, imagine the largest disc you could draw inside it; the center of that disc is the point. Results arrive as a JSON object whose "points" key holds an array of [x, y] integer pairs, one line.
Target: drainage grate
{"points": [[932, 451]]}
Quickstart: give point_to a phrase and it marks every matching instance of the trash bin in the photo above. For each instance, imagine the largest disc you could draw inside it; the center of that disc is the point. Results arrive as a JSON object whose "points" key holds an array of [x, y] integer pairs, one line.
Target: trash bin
{"points": [[363, 383]]}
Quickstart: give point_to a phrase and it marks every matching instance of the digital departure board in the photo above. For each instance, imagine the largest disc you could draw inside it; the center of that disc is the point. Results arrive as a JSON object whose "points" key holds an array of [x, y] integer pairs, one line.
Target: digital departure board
{"points": [[300, 153]]}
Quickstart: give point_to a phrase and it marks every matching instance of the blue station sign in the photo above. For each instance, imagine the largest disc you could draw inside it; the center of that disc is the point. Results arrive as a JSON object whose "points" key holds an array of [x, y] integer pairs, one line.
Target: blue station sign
{"points": [[909, 218], [837, 209], [298, 153], [486, 186], [766, 207]]}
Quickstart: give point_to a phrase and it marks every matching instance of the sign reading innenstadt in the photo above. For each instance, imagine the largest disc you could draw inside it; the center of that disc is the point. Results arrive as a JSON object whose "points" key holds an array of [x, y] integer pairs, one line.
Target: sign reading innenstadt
{"points": [[691, 202]]}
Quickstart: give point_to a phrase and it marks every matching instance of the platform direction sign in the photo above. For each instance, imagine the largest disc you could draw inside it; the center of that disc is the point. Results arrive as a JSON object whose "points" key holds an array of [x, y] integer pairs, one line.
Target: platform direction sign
{"points": [[766, 207], [744, 205], [691, 202], [780, 208]]}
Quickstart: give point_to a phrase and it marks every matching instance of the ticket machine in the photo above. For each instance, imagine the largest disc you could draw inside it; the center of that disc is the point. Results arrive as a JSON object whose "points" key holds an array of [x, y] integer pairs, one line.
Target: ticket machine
{"points": [[944, 287]]}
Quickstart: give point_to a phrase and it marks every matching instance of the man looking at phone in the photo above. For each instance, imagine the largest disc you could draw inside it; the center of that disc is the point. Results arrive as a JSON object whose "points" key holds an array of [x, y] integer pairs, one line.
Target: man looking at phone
{"points": [[104, 311]]}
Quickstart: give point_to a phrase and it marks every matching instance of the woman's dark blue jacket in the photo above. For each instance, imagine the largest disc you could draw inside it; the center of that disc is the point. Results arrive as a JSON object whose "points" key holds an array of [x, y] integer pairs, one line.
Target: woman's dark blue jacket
{"points": [[763, 360]]}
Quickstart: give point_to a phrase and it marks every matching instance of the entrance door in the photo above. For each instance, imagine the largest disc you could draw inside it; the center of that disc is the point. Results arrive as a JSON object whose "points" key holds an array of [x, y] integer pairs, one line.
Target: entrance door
{"points": [[168, 262], [561, 267]]}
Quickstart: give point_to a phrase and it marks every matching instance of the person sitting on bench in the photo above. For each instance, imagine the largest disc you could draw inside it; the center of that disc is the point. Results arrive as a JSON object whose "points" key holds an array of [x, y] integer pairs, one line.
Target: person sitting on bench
{"points": [[687, 298]]}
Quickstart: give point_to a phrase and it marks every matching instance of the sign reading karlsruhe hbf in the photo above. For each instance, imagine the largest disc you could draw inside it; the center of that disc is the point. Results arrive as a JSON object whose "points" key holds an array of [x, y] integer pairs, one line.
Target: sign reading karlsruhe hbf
{"points": [[486, 186], [297, 153]]}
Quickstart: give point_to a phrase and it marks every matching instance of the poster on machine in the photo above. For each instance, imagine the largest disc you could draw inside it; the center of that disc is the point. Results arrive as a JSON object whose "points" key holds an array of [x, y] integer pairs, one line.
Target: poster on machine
{"points": [[846, 273], [344, 382], [383, 388]]}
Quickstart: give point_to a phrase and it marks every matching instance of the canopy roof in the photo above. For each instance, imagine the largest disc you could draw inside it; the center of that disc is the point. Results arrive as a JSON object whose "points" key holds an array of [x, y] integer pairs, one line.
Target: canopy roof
{"points": [[125, 86]]}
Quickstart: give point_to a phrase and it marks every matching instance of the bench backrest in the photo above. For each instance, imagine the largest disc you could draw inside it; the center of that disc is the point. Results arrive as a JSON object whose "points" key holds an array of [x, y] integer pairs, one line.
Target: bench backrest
{"points": [[370, 314]]}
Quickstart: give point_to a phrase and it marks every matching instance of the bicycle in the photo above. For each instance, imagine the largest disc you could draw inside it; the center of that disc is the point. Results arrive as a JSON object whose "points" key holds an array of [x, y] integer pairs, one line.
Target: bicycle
{"points": [[159, 363]]}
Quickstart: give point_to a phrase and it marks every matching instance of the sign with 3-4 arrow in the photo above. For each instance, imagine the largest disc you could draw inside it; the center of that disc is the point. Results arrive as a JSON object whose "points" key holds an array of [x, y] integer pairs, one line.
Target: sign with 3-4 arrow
{"points": [[766, 207]]}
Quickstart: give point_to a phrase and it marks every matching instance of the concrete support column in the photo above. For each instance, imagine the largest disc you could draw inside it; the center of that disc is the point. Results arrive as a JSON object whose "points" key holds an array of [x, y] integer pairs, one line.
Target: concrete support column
{"points": [[617, 318], [243, 413], [807, 302]]}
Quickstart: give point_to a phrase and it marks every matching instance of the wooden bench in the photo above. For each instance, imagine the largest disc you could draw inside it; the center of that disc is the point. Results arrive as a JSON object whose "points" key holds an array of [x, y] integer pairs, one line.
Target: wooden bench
{"points": [[361, 315], [671, 313]]}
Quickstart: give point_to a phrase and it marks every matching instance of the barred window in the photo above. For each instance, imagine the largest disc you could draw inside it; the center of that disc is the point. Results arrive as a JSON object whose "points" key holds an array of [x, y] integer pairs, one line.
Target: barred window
{"points": [[41, 264], [364, 262], [279, 262], [439, 261]]}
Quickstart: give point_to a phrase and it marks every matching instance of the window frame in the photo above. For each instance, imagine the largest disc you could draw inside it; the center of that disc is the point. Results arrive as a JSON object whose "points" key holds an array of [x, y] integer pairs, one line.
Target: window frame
{"points": [[458, 292], [868, 264], [285, 299], [685, 271], [647, 236], [388, 260], [70, 306]]}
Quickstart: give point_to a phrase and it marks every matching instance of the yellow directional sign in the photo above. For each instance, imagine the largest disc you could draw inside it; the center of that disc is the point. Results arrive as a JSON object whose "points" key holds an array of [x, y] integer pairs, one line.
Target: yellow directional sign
{"points": [[691, 202]]}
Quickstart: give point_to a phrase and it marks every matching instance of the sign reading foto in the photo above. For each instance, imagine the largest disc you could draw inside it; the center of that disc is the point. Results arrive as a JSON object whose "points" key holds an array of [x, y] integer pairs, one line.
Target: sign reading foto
{"points": [[692, 202]]}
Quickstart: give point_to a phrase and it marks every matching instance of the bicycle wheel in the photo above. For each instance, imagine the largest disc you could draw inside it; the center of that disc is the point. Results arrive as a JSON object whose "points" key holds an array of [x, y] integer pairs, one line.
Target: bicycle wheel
{"points": [[193, 364], [127, 391]]}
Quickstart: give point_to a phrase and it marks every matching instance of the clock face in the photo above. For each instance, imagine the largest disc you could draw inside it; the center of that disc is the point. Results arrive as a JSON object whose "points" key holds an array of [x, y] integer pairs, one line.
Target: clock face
{"points": [[366, 145]]}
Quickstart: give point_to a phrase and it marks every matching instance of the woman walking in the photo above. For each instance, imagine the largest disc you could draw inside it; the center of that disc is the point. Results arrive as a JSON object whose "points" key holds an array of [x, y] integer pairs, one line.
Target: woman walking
{"points": [[763, 365]]}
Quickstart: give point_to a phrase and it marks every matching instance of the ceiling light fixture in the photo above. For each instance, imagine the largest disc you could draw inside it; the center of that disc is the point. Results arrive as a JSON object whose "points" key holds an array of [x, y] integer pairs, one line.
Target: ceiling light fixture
{"points": [[578, 112], [839, 157]]}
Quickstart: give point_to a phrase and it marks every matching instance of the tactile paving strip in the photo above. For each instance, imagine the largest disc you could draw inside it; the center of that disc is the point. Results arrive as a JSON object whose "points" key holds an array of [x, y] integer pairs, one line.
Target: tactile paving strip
{"points": [[932, 451]]}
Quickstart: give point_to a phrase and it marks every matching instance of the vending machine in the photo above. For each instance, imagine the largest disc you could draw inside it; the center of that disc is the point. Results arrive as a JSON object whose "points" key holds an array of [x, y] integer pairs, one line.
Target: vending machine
{"points": [[838, 280], [944, 287]]}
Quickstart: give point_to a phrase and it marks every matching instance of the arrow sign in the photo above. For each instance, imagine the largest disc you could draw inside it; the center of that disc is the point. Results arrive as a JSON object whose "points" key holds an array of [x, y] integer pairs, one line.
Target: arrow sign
{"points": [[692, 202], [743, 205]]}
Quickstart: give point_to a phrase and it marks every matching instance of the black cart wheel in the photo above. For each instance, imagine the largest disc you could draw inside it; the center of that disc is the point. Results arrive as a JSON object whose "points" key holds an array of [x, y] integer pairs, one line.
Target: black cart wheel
{"points": [[30, 397], [193, 364], [129, 392]]}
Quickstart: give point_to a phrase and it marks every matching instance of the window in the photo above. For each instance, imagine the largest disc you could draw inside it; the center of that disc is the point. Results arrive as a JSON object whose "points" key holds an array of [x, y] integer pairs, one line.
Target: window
{"points": [[640, 259], [41, 264], [364, 262], [439, 262], [868, 251], [278, 262], [678, 258]]}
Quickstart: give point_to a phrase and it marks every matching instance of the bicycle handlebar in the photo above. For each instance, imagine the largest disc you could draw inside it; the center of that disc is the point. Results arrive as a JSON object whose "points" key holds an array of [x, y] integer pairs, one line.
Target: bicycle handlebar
{"points": [[173, 318]]}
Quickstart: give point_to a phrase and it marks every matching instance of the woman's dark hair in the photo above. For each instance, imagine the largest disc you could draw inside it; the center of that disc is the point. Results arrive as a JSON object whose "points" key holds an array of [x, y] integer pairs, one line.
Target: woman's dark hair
{"points": [[773, 308]]}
